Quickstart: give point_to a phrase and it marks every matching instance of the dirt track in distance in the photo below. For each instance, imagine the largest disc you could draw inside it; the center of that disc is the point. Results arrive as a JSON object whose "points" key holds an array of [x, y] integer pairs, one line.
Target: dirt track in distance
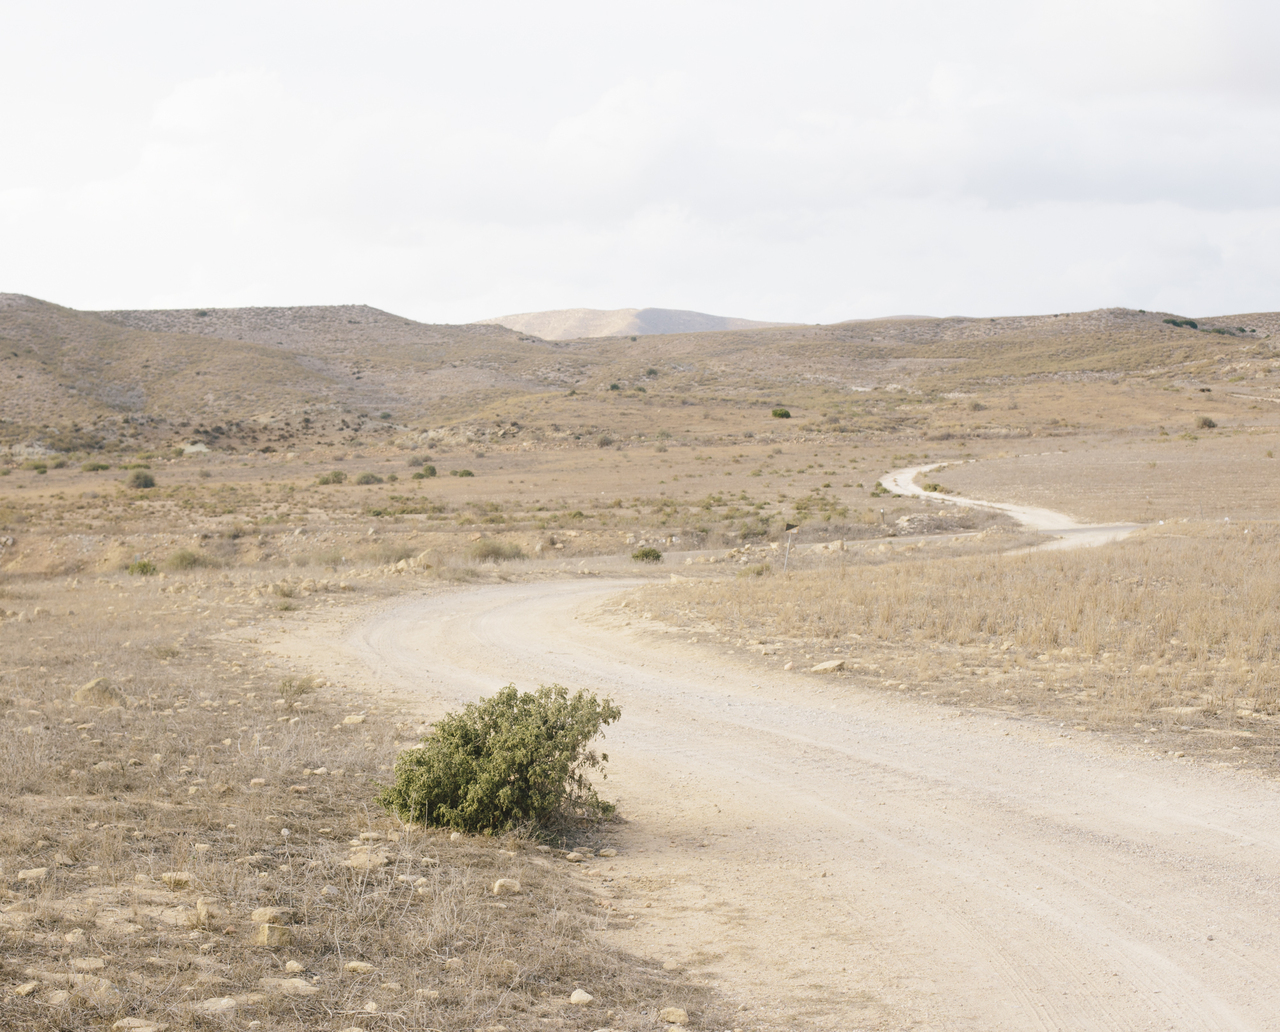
{"points": [[836, 856]]}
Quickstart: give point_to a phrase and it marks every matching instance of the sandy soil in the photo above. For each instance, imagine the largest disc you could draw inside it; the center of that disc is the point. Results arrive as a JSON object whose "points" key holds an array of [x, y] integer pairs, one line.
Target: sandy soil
{"points": [[834, 856]]}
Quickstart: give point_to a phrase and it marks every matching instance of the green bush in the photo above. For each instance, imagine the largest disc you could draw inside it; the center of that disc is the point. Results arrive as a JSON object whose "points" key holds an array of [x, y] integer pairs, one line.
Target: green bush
{"points": [[648, 554], [491, 548], [142, 568], [781, 413], [94, 467], [141, 479], [1188, 323], [336, 477], [368, 478], [615, 387], [427, 471], [186, 559], [514, 760], [461, 473]]}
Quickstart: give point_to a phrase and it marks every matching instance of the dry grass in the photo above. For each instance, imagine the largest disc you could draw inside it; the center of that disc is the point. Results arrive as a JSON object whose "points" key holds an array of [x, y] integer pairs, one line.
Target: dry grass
{"points": [[243, 775], [1181, 623]]}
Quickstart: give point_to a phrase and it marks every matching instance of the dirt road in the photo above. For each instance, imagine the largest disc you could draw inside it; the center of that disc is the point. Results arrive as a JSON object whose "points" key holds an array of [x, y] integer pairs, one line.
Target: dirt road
{"points": [[1067, 532], [836, 855]]}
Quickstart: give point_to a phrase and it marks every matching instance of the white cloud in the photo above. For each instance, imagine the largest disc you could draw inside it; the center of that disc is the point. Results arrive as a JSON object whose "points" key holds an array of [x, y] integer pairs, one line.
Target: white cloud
{"points": [[811, 162]]}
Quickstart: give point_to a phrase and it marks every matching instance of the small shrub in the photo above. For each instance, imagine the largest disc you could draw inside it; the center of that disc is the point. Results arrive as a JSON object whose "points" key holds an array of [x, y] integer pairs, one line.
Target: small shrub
{"points": [[487, 549], [516, 759], [1188, 323], [461, 473], [284, 590], [94, 467], [415, 460], [604, 441], [755, 570], [186, 559], [615, 387], [426, 472], [336, 477], [935, 488], [384, 415], [650, 371], [648, 554], [141, 479], [781, 413], [1205, 423], [977, 406], [292, 689], [368, 478], [142, 568]]}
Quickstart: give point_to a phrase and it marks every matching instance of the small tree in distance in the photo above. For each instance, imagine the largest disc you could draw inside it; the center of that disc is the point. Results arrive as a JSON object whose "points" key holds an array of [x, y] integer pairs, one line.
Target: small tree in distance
{"points": [[513, 760]]}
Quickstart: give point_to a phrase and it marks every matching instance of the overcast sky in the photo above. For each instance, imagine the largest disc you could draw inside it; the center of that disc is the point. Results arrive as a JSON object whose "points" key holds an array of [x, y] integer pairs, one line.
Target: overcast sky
{"points": [[798, 161]]}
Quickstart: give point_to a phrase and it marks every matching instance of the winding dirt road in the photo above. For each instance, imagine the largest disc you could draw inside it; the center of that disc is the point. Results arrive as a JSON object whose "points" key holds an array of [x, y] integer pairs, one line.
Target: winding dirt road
{"points": [[835, 855], [1067, 533]]}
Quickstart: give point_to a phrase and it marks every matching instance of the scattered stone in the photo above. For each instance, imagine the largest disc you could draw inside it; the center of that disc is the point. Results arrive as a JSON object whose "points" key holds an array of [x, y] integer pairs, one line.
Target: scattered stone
{"points": [[209, 913], [257, 782], [574, 858], [177, 879], [293, 967], [74, 937], [272, 935], [455, 836], [608, 852], [218, 1007], [299, 789], [453, 964], [98, 692], [506, 887], [273, 915], [358, 967], [58, 998], [670, 965], [290, 986], [673, 1016], [581, 998], [26, 989], [366, 861], [138, 1025], [829, 667], [107, 767], [787, 665], [354, 718], [427, 994], [371, 1007], [88, 965], [371, 836]]}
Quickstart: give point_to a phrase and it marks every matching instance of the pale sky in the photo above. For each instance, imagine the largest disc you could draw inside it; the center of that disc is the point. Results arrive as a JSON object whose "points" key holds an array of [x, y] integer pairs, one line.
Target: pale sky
{"points": [[795, 161]]}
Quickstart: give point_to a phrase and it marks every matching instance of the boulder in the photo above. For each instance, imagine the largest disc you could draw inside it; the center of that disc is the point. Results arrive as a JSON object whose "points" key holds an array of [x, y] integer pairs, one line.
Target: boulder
{"points": [[581, 998], [829, 667], [273, 936], [98, 692]]}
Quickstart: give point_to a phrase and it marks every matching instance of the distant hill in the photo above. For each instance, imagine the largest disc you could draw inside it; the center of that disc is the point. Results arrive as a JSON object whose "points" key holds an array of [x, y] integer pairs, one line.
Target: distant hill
{"points": [[577, 323]]}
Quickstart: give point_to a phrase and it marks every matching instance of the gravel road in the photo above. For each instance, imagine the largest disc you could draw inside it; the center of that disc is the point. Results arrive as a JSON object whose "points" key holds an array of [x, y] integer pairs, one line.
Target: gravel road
{"points": [[844, 857]]}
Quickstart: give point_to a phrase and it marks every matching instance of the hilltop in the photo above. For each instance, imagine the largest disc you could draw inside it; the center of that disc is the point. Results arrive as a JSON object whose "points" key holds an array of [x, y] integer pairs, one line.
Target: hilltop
{"points": [[576, 323]]}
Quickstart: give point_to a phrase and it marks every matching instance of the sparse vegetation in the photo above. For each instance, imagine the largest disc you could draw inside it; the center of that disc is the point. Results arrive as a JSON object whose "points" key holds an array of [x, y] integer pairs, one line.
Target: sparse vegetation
{"points": [[368, 478], [494, 550], [516, 760], [143, 568], [781, 413], [647, 554], [1204, 423], [336, 477]]}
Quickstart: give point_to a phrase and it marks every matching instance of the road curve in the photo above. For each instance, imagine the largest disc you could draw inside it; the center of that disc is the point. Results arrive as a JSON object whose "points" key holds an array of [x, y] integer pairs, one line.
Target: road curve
{"points": [[1067, 533], [856, 859]]}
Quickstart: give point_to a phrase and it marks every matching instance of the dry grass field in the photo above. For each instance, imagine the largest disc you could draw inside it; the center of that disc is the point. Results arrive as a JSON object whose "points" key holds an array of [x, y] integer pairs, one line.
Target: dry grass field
{"points": [[290, 451], [193, 841]]}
